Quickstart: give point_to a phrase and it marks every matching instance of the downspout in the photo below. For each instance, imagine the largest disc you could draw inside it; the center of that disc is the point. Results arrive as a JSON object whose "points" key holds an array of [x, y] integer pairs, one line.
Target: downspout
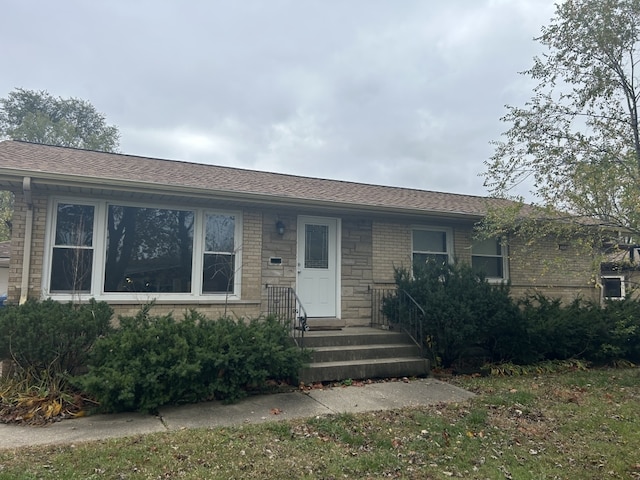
{"points": [[28, 233]]}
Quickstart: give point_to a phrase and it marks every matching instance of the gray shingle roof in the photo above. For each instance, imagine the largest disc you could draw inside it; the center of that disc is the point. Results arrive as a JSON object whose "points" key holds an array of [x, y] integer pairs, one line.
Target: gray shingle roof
{"points": [[44, 162]]}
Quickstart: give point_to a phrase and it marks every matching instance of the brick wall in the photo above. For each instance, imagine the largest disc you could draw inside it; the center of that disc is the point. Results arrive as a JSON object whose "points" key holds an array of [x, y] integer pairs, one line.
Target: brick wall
{"points": [[37, 245], [391, 246], [559, 271]]}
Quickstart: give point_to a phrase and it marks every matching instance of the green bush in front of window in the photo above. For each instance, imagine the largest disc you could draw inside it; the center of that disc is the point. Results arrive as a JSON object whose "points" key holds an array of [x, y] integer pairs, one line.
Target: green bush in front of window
{"points": [[152, 361], [465, 315]]}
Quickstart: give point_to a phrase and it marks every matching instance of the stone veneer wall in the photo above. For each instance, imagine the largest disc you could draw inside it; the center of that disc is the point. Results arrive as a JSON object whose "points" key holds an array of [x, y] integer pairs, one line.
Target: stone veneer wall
{"points": [[279, 246], [357, 270]]}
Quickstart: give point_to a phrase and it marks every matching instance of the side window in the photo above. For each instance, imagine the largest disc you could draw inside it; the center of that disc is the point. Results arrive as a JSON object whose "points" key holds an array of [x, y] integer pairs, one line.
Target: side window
{"points": [[72, 250], [219, 263], [488, 256], [613, 287], [430, 244]]}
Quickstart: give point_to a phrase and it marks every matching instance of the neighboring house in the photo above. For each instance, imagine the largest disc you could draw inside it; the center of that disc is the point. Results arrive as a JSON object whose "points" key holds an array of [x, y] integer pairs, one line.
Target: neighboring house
{"points": [[128, 229], [4, 267]]}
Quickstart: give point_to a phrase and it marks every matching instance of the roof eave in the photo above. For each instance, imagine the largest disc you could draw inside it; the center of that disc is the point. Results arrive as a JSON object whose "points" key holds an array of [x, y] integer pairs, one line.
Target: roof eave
{"points": [[65, 180]]}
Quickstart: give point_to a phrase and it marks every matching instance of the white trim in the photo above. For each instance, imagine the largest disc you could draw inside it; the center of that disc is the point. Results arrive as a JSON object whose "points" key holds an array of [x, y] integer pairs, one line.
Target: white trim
{"points": [[448, 231], [99, 248], [505, 261]]}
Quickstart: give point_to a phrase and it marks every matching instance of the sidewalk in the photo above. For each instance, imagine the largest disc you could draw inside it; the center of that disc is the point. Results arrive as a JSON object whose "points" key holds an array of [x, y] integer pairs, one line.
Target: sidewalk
{"points": [[256, 409]]}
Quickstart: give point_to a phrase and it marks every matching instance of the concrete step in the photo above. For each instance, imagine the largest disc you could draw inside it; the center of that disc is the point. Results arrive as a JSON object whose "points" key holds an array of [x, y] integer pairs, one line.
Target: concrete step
{"points": [[358, 369], [359, 353], [322, 323], [343, 353], [353, 336]]}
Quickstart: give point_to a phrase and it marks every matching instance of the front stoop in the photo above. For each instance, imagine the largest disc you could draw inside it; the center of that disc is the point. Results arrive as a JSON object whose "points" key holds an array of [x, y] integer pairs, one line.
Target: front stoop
{"points": [[359, 353]]}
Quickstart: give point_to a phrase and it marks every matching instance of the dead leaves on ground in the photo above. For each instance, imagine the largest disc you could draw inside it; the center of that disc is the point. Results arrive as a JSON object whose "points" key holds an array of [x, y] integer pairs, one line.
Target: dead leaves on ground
{"points": [[41, 409]]}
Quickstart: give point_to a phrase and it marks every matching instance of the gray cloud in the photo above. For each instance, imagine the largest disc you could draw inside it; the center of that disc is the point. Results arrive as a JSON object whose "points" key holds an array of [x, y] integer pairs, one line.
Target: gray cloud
{"points": [[398, 93]]}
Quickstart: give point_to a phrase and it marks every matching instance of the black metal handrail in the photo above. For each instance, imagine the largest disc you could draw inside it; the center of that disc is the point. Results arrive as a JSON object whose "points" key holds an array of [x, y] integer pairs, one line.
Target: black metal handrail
{"points": [[396, 309], [284, 303]]}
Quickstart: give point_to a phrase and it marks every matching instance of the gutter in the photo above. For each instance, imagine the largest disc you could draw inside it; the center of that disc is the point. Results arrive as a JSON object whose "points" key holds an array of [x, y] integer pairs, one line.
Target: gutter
{"points": [[28, 234]]}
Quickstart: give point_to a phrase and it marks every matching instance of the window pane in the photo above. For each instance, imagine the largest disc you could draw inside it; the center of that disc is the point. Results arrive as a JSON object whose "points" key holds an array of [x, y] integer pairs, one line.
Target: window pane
{"points": [[612, 287], [218, 273], [148, 250], [219, 235], [71, 269], [74, 225], [316, 252], [429, 241], [419, 259], [490, 266], [489, 246]]}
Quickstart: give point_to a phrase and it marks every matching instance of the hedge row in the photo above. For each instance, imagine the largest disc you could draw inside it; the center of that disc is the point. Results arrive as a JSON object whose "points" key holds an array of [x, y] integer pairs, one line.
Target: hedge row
{"points": [[469, 321], [149, 360]]}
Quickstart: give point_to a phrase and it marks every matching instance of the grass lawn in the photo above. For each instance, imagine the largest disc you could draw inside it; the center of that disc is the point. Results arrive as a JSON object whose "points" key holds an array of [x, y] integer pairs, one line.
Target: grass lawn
{"points": [[574, 425]]}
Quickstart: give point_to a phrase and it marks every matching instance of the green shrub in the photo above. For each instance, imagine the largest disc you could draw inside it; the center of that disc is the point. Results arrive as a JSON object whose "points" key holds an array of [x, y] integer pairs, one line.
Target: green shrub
{"points": [[52, 336], [465, 315], [583, 329], [155, 360], [623, 332], [560, 332]]}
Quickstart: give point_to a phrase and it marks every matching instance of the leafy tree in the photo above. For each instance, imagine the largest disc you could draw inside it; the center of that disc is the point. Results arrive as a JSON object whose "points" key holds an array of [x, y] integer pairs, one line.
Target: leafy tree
{"points": [[577, 140], [39, 117], [6, 211]]}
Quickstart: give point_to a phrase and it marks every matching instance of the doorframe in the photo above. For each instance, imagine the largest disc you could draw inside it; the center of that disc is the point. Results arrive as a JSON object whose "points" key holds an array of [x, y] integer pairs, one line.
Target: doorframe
{"points": [[302, 219]]}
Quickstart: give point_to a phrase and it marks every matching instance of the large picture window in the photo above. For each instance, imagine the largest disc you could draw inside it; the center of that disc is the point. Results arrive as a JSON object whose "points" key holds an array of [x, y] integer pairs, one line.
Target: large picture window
{"points": [[431, 244], [488, 257], [148, 250], [117, 251]]}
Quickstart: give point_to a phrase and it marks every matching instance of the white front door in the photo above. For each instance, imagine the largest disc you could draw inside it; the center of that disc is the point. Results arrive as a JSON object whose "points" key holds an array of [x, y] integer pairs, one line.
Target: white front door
{"points": [[318, 266]]}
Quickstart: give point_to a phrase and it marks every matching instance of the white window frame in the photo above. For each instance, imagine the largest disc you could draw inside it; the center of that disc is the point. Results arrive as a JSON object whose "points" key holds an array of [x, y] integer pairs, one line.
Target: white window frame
{"points": [[99, 257], [505, 261], [448, 231], [623, 292]]}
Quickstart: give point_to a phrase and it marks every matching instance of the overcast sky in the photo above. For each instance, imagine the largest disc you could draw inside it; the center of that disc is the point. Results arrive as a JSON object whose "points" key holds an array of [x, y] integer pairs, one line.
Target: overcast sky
{"points": [[394, 92]]}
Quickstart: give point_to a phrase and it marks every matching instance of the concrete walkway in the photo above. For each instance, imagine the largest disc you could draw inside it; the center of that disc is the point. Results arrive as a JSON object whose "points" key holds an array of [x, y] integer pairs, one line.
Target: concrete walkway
{"points": [[255, 409]]}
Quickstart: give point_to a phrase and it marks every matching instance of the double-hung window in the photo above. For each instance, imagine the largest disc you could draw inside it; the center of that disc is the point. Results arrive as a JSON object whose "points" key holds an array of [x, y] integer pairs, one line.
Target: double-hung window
{"points": [[431, 244], [488, 256], [218, 273], [117, 251], [72, 249]]}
